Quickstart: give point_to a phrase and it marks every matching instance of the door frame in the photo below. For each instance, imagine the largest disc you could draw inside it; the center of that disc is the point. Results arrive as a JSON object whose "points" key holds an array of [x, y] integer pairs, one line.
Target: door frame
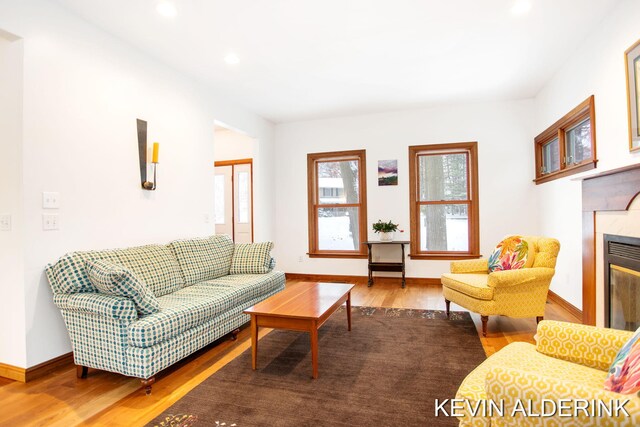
{"points": [[233, 163]]}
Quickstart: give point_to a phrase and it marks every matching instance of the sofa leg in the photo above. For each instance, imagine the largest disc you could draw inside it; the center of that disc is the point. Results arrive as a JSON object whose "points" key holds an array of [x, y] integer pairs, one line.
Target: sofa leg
{"points": [[234, 334], [81, 371], [147, 384], [539, 318], [448, 306], [484, 319]]}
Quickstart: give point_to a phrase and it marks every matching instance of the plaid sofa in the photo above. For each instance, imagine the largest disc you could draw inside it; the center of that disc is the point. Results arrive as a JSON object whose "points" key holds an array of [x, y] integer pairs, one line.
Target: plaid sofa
{"points": [[199, 303]]}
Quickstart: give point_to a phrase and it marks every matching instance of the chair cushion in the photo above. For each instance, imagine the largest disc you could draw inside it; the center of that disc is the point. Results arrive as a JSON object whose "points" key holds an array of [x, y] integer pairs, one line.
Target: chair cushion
{"points": [[199, 303], [251, 258], [513, 252], [520, 355], [474, 285], [624, 373], [203, 259]]}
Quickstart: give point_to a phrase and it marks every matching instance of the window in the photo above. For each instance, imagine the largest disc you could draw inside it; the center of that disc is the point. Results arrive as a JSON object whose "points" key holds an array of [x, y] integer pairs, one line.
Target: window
{"points": [[337, 204], [568, 146], [444, 201]]}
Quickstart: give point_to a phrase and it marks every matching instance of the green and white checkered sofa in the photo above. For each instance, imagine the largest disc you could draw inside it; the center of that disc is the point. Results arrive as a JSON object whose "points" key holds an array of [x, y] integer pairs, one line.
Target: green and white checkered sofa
{"points": [[199, 302]]}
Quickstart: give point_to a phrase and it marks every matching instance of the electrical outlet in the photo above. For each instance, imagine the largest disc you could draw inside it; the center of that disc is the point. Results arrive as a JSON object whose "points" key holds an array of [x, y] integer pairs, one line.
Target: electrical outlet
{"points": [[5, 222], [50, 200], [207, 218], [50, 222], [300, 258]]}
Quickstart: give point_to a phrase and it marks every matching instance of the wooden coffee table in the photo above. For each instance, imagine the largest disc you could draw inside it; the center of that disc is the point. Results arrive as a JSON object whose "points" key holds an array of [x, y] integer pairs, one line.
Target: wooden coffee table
{"points": [[300, 307]]}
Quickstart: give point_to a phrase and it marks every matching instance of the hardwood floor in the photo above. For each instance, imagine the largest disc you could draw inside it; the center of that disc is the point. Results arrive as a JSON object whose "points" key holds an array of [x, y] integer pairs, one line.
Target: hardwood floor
{"points": [[60, 399]]}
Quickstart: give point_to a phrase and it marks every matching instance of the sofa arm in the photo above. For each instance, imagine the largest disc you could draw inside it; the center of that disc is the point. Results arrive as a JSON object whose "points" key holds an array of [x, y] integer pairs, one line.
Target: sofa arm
{"points": [[118, 308], [470, 266], [506, 278], [543, 394], [590, 346]]}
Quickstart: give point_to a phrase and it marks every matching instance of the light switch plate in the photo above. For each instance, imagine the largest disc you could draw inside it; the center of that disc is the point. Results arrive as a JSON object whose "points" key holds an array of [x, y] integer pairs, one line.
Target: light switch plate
{"points": [[50, 200], [50, 222], [5, 222]]}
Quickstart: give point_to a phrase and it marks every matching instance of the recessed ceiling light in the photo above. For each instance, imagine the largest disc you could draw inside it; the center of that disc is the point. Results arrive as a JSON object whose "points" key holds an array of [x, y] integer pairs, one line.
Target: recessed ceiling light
{"points": [[231, 59], [166, 9], [520, 7]]}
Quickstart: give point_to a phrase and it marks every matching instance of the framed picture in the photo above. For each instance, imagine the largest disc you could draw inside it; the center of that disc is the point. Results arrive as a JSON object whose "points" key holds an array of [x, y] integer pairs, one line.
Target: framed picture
{"points": [[632, 63], [387, 172]]}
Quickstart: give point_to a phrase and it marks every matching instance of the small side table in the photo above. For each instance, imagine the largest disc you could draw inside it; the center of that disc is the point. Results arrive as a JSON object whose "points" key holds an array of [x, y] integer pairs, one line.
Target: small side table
{"points": [[386, 266]]}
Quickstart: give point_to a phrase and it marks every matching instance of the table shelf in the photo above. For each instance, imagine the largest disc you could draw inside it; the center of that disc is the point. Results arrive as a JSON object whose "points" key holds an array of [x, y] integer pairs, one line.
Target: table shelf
{"points": [[386, 265]]}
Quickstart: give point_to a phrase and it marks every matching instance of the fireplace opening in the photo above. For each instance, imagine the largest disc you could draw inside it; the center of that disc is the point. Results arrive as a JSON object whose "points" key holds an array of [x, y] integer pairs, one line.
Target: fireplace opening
{"points": [[622, 282]]}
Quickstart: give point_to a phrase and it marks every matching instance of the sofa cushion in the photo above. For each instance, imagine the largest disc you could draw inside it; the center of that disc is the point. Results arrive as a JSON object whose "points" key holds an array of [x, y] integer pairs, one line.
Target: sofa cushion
{"points": [[155, 265], [203, 259], [113, 279], [196, 304], [251, 258], [474, 285], [251, 285]]}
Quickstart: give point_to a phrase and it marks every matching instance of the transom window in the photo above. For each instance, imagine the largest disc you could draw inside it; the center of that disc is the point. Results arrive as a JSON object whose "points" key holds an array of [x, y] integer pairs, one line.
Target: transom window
{"points": [[337, 204], [568, 146], [444, 200]]}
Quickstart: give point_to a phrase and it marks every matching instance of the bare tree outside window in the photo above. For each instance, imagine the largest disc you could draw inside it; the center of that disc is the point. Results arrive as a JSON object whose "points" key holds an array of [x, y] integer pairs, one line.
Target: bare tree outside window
{"points": [[443, 207]]}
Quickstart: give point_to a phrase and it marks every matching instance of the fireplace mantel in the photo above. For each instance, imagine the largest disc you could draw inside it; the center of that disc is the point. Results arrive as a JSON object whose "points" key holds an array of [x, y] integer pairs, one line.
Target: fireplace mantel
{"points": [[612, 190]]}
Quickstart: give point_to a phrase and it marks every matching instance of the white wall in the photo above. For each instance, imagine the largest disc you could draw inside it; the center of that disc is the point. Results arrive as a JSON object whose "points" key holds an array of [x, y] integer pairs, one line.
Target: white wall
{"points": [[83, 90], [233, 145], [596, 67], [11, 242], [504, 135]]}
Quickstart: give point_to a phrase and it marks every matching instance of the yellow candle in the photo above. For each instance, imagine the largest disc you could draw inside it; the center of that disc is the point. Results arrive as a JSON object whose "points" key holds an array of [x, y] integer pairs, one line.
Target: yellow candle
{"points": [[156, 148]]}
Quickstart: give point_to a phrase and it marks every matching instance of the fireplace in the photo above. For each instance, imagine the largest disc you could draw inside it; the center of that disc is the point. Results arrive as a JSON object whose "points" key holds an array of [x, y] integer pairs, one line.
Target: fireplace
{"points": [[622, 282]]}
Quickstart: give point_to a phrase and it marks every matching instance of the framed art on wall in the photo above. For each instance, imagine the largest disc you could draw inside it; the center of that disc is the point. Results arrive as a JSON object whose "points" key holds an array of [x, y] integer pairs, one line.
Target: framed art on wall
{"points": [[632, 67], [387, 172]]}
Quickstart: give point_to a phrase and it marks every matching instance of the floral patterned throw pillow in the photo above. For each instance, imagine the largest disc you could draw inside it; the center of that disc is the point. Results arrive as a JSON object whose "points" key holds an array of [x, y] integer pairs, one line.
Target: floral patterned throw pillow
{"points": [[512, 253], [624, 373]]}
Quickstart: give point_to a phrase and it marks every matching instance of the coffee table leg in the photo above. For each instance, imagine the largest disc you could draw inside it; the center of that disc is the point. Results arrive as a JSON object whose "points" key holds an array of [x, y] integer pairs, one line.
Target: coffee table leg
{"points": [[314, 348], [254, 342], [349, 309]]}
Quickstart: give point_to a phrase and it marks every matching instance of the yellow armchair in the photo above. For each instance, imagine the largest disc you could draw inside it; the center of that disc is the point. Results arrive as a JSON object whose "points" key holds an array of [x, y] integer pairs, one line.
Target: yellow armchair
{"points": [[568, 364], [514, 293]]}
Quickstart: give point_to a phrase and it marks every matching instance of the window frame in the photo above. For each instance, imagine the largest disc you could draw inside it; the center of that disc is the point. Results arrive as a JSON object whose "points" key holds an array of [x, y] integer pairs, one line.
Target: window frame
{"points": [[472, 201], [313, 203], [585, 110]]}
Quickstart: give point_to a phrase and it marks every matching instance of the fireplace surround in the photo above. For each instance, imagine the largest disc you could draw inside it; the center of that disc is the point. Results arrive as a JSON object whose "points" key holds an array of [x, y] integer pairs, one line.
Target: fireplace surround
{"points": [[609, 191]]}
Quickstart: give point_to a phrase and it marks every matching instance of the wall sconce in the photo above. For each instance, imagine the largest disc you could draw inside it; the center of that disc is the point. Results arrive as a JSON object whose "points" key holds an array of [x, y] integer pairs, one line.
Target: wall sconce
{"points": [[142, 156]]}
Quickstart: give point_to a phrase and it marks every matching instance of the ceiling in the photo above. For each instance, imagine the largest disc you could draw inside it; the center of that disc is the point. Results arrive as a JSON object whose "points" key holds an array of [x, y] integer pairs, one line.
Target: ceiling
{"points": [[302, 59]]}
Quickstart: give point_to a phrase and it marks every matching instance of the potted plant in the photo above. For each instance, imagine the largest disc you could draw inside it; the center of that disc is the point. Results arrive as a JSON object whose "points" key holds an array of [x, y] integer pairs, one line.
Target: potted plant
{"points": [[386, 230]]}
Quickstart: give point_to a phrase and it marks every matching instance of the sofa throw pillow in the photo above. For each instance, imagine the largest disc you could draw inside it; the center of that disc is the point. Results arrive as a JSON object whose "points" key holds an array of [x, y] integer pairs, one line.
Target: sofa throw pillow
{"points": [[512, 253], [251, 258], [624, 373], [113, 279]]}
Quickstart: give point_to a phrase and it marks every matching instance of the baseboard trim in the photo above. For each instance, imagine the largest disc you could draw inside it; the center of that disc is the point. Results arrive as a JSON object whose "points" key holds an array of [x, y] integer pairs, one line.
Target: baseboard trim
{"points": [[29, 374], [572, 309], [13, 372], [411, 281]]}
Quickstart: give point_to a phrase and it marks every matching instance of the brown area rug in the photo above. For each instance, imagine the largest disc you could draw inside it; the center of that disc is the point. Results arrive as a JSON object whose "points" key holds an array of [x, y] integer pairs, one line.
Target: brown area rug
{"points": [[387, 371]]}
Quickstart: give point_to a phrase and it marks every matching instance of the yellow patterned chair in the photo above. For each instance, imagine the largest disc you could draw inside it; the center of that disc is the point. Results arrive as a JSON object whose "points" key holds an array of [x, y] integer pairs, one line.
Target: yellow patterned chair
{"points": [[514, 293], [569, 361]]}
